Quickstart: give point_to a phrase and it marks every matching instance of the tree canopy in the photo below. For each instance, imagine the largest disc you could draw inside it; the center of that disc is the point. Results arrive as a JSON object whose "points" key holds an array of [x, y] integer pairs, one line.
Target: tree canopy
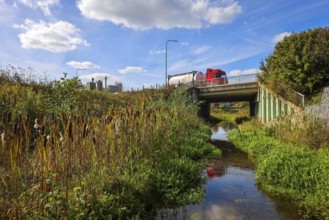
{"points": [[300, 61]]}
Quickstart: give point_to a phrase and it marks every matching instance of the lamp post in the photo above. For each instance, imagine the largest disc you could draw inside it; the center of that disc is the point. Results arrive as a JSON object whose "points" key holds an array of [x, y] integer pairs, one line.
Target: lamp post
{"points": [[76, 72], [166, 77]]}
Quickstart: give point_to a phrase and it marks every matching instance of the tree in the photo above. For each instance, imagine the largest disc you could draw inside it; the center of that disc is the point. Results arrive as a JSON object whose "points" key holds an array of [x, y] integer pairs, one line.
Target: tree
{"points": [[63, 97], [300, 61]]}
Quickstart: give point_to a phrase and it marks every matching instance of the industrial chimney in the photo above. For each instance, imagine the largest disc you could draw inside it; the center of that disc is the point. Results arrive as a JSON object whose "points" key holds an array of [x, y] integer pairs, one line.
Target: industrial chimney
{"points": [[105, 83]]}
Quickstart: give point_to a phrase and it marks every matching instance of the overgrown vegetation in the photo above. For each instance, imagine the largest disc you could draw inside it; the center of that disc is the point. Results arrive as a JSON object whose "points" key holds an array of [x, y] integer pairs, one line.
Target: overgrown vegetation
{"points": [[300, 62], [237, 112], [288, 164], [67, 153]]}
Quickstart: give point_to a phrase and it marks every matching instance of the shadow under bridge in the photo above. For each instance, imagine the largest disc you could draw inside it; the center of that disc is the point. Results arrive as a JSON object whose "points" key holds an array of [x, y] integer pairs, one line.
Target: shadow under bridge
{"points": [[238, 89]]}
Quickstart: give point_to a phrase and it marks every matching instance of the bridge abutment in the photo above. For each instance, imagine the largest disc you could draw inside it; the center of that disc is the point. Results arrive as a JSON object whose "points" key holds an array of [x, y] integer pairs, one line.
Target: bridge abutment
{"points": [[271, 106], [204, 110]]}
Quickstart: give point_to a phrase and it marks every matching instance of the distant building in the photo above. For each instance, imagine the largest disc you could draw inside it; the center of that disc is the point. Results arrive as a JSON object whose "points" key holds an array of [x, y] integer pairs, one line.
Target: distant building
{"points": [[99, 85], [91, 85], [115, 88]]}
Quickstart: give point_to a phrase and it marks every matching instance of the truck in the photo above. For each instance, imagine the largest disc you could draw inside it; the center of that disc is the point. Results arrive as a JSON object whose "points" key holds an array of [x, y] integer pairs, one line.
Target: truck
{"points": [[186, 78], [197, 78]]}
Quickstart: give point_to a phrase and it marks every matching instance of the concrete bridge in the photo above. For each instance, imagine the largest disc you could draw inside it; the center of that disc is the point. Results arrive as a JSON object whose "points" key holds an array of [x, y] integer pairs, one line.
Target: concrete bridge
{"points": [[264, 103]]}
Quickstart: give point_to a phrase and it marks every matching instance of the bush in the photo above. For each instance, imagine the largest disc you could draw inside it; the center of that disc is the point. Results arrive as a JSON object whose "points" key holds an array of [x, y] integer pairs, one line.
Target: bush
{"points": [[293, 171], [300, 61]]}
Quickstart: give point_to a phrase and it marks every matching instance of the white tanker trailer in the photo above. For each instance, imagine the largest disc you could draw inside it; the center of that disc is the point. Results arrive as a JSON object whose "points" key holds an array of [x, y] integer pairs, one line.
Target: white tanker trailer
{"points": [[186, 78]]}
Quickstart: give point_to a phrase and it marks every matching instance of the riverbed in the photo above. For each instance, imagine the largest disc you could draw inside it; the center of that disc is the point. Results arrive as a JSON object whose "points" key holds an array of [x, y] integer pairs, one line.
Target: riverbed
{"points": [[231, 190]]}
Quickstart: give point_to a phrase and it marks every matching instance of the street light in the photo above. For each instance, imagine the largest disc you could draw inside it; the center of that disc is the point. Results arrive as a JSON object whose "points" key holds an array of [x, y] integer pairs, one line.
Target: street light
{"points": [[166, 80], [76, 72]]}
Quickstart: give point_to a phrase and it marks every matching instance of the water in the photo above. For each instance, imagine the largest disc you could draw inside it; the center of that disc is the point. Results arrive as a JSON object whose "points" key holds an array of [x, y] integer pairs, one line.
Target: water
{"points": [[232, 193]]}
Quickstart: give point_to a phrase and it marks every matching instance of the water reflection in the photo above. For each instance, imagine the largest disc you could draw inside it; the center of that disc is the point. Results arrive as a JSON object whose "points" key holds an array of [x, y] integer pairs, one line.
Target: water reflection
{"points": [[220, 131], [231, 189]]}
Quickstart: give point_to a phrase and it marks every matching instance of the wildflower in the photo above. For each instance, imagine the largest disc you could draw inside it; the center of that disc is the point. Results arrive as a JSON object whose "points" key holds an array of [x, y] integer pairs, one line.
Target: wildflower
{"points": [[3, 137], [61, 137], [36, 125]]}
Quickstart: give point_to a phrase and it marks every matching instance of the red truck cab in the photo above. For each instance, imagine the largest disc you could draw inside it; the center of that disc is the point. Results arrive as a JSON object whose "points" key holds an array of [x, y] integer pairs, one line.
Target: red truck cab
{"points": [[216, 77]]}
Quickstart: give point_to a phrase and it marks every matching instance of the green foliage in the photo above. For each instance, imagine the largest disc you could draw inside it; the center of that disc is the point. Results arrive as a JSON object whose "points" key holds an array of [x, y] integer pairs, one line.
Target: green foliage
{"points": [[300, 61], [301, 129], [93, 155], [288, 170]]}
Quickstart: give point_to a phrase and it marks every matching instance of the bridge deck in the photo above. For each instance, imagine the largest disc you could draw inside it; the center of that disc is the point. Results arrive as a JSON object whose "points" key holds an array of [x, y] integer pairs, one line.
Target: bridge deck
{"points": [[229, 92]]}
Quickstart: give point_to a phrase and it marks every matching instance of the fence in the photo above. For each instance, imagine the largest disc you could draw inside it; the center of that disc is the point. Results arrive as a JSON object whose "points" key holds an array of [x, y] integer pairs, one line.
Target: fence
{"points": [[228, 80], [290, 95]]}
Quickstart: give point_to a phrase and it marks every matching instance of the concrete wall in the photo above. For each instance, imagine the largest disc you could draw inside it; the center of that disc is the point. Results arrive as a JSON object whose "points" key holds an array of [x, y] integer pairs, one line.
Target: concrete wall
{"points": [[271, 106]]}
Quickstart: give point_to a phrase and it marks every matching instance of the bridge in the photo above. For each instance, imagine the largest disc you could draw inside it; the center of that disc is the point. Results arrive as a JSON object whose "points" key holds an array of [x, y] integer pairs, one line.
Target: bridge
{"points": [[264, 103]]}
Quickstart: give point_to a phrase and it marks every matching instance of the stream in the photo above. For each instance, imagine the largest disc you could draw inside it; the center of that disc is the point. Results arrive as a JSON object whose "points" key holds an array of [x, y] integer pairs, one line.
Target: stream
{"points": [[231, 190]]}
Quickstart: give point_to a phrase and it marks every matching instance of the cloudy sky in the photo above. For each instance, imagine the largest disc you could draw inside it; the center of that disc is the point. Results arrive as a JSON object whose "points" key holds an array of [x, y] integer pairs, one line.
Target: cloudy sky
{"points": [[126, 39]]}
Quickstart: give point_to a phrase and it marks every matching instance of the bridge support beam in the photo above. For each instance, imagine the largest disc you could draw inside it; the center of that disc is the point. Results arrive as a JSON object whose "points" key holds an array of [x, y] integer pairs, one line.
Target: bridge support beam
{"points": [[204, 109], [252, 108]]}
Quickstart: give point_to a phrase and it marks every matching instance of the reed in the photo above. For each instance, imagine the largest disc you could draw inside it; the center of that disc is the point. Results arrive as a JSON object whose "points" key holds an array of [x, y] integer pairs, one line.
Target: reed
{"points": [[76, 154]]}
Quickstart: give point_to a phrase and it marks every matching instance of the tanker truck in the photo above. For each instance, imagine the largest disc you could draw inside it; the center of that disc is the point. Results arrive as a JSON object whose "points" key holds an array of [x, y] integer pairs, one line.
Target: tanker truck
{"points": [[186, 78], [212, 77]]}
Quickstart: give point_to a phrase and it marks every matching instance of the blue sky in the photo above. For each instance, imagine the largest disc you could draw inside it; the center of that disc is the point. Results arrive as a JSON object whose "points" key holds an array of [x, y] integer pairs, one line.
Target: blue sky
{"points": [[126, 39]]}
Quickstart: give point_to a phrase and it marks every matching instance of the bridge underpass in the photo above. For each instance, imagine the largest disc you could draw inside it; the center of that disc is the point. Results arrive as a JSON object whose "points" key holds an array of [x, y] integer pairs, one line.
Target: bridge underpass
{"points": [[229, 93], [264, 104]]}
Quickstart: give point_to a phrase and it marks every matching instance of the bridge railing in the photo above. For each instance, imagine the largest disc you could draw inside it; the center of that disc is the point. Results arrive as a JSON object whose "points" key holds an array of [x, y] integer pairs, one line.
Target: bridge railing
{"points": [[291, 95], [228, 80]]}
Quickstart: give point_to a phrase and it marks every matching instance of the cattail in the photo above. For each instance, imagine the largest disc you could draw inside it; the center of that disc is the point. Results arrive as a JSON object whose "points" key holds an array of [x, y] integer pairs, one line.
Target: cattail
{"points": [[9, 117], [71, 130], [16, 128], [85, 129], [44, 141], [43, 129], [108, 119], [94, 137]]}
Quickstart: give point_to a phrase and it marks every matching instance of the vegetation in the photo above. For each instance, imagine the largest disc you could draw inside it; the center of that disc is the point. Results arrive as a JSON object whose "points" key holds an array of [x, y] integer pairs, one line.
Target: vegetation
{"points": [[288, 167], [300, 62], [237, 112], [67, 153]]}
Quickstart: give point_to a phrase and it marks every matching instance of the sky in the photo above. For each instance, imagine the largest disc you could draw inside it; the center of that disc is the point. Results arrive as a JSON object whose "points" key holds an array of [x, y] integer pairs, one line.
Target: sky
{"points": [[126, 40]]}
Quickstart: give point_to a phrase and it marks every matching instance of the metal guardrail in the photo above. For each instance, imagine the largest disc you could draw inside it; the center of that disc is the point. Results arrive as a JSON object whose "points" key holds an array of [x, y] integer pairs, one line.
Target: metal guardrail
{"points": [[228, 80], [291, 95], [282, 90]]}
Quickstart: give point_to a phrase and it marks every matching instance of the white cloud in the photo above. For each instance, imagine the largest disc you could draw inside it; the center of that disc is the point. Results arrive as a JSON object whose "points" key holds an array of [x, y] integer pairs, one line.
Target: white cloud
{"points": [[132, 69], [111, 79], [280, 37], [162, 14], [44, 5], [83, 65], [54, 37], [180, 66], [153, 52], [184, 43], [201, 50], [243, 72]]}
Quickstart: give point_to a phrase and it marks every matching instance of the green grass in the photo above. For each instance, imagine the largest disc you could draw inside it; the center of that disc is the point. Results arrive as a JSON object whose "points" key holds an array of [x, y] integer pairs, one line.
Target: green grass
{"points": [[292, 171], [93, 155]]}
